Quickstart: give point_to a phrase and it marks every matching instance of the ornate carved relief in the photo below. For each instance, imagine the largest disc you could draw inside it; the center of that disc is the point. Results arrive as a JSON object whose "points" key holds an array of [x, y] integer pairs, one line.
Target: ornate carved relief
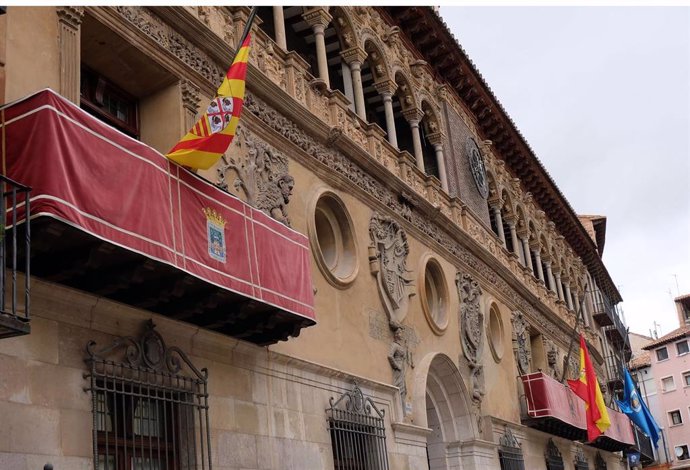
{"points": [[387, 258], [521, 343], [399, 357], [552, 358], [262, 176], [471, 318], [169, 39], [344, 167]]}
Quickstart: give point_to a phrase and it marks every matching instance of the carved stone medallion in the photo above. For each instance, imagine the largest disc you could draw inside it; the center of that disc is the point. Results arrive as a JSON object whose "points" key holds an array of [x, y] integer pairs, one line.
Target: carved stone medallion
{"points": [[471, 318], [387, 260], [477, 167], [520, 343]]}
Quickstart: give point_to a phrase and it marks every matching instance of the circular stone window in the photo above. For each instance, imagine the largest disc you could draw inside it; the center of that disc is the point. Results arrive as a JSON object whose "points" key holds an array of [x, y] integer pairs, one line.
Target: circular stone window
{"points": [[434, 295], [495, 333], [332, 240]]}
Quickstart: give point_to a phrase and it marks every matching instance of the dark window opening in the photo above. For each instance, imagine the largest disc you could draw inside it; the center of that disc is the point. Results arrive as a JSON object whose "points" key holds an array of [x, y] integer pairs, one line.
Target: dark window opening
{"points": [[106, 101], [506, 232], [534, 263], [267, 24], [428, 152], [492, 221], [299, 37]]}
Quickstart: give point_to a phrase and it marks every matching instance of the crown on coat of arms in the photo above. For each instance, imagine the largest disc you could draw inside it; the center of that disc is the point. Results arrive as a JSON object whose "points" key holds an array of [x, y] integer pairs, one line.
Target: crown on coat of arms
{"points": [[214, 217]]}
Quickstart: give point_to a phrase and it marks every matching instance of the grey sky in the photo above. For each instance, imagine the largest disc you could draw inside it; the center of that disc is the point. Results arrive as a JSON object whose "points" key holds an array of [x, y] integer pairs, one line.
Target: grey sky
{"points": [[602, 96]]}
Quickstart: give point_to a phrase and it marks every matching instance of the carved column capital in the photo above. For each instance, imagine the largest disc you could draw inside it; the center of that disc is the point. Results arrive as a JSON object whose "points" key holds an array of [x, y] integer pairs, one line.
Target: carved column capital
{"points": [[442, 92], [436, 138], [354, 54], [413, 114], [191, 95], [71, 16], [386, 86], [317, 16]]}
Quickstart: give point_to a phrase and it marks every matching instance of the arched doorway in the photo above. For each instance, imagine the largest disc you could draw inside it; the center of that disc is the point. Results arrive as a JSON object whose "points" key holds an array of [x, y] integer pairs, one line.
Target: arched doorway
{"points": [[442, 404]]}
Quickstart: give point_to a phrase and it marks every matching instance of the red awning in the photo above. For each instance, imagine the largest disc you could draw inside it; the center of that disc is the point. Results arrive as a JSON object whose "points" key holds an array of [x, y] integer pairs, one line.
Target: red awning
{"points": [[554, 408], [97, 181]]}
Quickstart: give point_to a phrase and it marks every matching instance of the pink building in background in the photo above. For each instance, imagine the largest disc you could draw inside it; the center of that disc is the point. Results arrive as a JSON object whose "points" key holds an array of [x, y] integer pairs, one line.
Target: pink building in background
{"points": [[669, 396]]}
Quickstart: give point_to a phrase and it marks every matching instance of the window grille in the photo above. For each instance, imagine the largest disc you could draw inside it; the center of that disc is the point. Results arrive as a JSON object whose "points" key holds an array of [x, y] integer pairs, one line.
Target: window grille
{"points": [[554, 460], [150, 406], [599, 462], [358, 435], [510, 452], [581, 460]]}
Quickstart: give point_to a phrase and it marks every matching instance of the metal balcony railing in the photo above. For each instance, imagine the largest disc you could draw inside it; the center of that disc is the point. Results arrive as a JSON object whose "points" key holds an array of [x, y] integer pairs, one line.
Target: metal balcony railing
{"points": [[15, 243]]}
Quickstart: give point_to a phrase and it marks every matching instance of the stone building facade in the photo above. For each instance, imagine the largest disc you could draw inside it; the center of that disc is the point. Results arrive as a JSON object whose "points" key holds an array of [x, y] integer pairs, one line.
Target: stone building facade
{"points": [[445, 262]]}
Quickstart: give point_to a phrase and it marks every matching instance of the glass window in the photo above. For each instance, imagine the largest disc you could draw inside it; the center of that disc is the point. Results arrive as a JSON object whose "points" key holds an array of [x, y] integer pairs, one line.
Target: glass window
{"points": [[682, 452], [686, 379], [661, 354], [682, 347], [667, 384], [675, 417]]}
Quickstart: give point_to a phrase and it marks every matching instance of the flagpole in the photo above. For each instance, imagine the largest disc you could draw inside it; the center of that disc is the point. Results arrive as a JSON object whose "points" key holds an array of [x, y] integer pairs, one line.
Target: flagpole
{"points": [[566, 360]]}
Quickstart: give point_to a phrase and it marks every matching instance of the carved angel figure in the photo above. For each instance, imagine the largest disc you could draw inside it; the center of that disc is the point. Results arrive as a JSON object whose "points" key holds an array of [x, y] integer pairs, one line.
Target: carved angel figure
{"points": [[471, 317], [398, 357]]}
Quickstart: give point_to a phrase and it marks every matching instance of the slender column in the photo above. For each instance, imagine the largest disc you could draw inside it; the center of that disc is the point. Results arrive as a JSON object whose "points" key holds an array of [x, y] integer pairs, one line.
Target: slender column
{"points": [[540, 270], [354, 58], [414, 116], [559, 286], [436, 139], [69, 33], [568, 296], [279, 25], [386, 89], [549, 275], [525, 250], [513, 236], [190, 102], [318, 18], [496, 208]]}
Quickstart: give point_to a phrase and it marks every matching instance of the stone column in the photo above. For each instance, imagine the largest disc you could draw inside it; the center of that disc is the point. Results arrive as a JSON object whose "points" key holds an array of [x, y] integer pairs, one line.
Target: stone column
{"points": [[537, 258], [318, 18], [528, 257], [386, 89], [549, 275], [436, 139], [568, 296], [513, 236], [414, 116], [496, 208], [69, 33], [279, 25], [354, 58], [190, 102], [559, 286]]}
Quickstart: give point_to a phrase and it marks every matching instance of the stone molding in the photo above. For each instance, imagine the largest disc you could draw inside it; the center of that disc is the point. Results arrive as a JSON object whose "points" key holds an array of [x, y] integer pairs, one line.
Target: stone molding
{"points": [[69, 33]]}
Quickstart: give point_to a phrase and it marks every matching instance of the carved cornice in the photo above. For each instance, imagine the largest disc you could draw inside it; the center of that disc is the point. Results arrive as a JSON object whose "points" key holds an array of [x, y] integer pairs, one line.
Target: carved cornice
{"points": [[190, 95]]}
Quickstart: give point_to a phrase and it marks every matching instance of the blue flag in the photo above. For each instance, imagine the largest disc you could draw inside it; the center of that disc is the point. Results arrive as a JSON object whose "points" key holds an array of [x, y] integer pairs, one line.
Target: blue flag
{"points": [[637, 411]]}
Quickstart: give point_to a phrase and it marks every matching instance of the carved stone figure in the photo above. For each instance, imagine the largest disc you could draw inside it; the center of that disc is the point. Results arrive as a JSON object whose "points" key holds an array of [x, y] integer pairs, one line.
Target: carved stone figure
{"points": [[552, 354], [387, 259], [398, 357], [520, 345], [477, 382], [262, 176], [471, 318]]}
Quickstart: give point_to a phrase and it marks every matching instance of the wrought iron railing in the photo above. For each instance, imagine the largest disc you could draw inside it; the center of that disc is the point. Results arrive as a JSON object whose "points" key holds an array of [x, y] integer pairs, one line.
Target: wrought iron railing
{"points": [[510, 455], [15, 243]]}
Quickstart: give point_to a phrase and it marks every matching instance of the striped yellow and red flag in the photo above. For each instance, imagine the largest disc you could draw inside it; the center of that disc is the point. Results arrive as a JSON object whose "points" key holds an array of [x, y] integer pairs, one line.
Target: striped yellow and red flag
{"points": [[587, 388], [211, 136]]}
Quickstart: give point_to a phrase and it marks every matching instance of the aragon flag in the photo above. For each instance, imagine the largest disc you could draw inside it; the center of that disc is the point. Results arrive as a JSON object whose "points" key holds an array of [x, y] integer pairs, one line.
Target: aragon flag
{"points": [[211, 136], [587, 388]]}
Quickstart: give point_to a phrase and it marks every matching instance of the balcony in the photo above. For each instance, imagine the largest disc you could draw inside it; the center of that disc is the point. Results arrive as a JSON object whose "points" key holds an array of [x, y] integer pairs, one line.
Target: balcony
{"points": [[644, 446], [115, 218], [553, 408], [14, 317]]}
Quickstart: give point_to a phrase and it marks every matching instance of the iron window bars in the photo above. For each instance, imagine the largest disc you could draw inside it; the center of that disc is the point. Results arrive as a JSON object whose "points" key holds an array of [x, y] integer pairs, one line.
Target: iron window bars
{"points": [[580, 461], [358, 436], [599, 462], [554, 460], [147, 413], [510, 452]]}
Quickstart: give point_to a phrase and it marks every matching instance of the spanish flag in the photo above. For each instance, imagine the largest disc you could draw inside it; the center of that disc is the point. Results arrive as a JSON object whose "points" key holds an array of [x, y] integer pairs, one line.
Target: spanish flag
{"points": [[212, 134], [587, 388]]}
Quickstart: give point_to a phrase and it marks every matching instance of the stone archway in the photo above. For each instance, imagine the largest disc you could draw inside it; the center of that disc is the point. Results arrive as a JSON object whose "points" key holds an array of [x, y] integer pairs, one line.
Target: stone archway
{"points": [[443, 405]]}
